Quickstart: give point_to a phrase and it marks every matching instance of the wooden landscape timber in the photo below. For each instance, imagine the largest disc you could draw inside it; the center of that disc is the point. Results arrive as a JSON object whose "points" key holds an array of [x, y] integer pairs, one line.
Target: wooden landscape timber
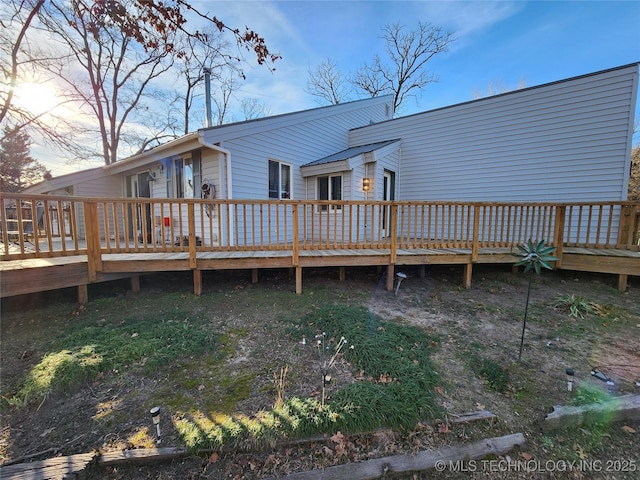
{"points": [[617, 409], [421, 461], [58, 468], [75, 241], [74, 466]]}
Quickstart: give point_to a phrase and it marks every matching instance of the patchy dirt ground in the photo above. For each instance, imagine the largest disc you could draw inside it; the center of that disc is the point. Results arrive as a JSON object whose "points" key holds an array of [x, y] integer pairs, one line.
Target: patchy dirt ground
{"points": [[485, 322]]}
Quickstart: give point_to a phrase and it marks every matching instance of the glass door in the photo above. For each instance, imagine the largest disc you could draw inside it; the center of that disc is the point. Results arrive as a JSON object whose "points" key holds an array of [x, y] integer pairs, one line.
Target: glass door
{"points": [[388, 194]]}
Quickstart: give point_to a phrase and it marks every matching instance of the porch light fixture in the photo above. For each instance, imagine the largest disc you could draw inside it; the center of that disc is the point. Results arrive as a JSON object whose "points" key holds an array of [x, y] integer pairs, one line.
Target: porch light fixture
{"points": [[366, 184], [155, 417]]}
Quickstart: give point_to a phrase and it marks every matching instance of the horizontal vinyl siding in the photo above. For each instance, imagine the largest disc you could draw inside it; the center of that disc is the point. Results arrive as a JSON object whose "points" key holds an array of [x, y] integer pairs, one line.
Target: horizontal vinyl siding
{"points": [[295, 144], [385, 162], [295, 139], [566, 141]]}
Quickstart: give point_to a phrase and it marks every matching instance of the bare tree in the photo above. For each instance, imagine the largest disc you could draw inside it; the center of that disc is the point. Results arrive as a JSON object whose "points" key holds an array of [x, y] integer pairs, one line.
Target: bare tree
{"points": [[226, 87], [158, 127], [251, 109], [19, 57], [401, 73], [121, 46], [405, 71], [328, 84], [12, 46], [212, 54], [496, 87], [114, 70]]}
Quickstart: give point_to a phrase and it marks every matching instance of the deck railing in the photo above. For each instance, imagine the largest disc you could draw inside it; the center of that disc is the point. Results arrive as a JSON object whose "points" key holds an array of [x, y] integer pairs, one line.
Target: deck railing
{"points": [[37, 226]]}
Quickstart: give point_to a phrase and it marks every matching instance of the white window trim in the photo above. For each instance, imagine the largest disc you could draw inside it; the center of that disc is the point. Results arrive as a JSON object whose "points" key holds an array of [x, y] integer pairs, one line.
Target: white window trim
{"points": [[172, 177], [280, 191], [329, 190]]}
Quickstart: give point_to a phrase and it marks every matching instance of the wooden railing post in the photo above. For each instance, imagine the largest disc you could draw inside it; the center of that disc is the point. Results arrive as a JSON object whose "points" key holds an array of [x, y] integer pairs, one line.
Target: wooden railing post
{"points": [[476, 233], [92, 234], [296, 236], [191, 219], [393, 223], [558, 234]]}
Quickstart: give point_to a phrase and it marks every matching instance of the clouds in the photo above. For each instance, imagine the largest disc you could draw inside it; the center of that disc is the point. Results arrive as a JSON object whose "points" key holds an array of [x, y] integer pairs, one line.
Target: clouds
{"points": [[468, 18], [500, 41]]}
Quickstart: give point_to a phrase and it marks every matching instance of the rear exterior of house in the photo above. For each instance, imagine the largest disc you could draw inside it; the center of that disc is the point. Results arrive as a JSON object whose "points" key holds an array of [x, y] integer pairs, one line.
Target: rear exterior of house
{"points": [[567, 141], [258, 159]]}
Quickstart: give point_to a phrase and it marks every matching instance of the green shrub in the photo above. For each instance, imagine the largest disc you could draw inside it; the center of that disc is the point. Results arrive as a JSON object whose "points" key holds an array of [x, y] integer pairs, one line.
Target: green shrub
{"points": [[576, 305]]}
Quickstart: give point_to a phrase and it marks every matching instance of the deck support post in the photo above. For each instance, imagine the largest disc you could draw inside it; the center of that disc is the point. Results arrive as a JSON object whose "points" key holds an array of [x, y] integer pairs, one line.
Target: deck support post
{"points": [[343, 274], [92, 235], [468, 269], [254, 275], [197, 282], [299, 280], [135, 283], [83, 294], [422, 271], [390, 276], [622, 282]]}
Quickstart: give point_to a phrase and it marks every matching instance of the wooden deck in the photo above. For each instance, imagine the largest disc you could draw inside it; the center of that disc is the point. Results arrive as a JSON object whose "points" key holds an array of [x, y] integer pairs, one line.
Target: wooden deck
{"points": [[82, 241], [34, 275]]}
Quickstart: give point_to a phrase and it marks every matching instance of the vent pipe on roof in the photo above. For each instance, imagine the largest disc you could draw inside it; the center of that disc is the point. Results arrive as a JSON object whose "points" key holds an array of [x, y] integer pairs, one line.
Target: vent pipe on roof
{"points": [[207, 96]]}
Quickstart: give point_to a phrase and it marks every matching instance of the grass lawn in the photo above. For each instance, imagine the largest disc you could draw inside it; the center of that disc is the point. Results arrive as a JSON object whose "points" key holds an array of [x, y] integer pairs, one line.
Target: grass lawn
{"points": [[246, 365]]}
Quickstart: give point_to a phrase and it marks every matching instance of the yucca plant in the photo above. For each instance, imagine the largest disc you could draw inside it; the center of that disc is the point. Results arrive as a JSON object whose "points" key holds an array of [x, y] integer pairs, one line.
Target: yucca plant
{"points": [[533, 257], [576, 306]]}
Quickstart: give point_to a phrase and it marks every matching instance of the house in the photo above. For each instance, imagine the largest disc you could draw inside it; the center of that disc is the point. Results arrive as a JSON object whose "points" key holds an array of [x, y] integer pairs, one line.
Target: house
{"points": [[348, 185], [568, 140], [565, 141]]}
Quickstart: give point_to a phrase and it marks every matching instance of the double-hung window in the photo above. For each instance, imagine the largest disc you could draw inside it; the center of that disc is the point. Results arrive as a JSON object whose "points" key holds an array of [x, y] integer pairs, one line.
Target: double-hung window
{"points": [[279, 180], [330, 188]]}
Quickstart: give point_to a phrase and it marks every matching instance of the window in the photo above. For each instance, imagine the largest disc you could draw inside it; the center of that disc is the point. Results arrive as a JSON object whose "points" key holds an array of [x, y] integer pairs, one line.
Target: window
{"points": [[279, 180], [183, 178], [330, 188]]}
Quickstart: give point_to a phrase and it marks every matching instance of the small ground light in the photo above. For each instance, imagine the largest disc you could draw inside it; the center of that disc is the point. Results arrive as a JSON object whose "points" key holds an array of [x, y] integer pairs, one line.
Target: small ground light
{"points": [[155, 416], [400, 276], [570, 374]]}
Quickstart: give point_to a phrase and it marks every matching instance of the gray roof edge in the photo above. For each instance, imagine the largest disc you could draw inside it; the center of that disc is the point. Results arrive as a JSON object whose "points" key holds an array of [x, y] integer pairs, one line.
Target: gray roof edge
{"points": [[512, 92], [381, 98], [351, 152]]}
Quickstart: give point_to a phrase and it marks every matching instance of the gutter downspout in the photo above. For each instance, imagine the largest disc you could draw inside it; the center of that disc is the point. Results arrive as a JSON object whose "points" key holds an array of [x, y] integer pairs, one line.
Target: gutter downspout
{"points": [[227, 156]]}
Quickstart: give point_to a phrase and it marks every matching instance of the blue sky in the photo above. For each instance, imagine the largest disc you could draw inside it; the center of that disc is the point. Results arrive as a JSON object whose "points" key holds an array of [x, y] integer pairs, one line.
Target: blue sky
{"points": [[501, 42]]}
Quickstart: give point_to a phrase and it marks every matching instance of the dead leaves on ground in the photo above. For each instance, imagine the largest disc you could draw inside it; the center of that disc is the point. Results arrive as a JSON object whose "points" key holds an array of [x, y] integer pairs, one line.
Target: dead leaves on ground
{"points": [[333, 450]]}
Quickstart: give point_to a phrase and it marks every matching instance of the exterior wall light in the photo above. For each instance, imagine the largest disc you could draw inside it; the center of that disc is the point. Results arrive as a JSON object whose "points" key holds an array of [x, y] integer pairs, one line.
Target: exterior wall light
{"points": [[366, 184]]}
